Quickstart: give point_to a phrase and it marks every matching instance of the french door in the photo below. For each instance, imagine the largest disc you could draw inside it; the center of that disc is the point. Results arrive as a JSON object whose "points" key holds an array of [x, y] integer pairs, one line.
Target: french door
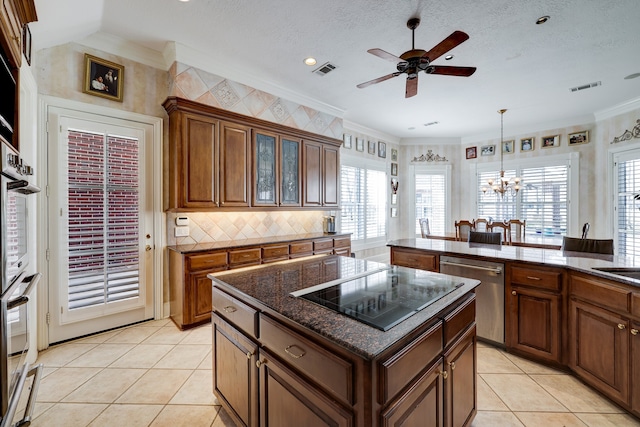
{"points": [[100, 219]]}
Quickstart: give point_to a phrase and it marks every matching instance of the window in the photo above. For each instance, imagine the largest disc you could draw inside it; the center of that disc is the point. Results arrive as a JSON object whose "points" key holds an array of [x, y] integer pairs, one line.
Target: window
{"points": [[627, 204], [543, 200], [363, 199], [431, 192]]}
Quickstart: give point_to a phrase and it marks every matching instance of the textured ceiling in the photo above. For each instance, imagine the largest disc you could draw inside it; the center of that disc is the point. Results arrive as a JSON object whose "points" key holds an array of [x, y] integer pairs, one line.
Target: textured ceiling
{"points": [[521, 66]]}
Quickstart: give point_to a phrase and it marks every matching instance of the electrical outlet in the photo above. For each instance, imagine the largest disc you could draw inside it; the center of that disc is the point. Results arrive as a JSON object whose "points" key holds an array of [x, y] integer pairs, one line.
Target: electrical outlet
{"points": [[182, 231]]}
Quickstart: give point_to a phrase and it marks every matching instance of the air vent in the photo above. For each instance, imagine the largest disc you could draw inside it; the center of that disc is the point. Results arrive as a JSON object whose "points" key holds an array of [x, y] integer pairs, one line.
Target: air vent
{"points": [[325, 69], [587, 86]]}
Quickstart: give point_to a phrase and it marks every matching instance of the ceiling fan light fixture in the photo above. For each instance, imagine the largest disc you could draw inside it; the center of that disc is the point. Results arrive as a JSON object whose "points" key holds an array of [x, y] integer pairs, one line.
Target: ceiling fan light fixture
{"points": [[542, 19], [310, 61]]}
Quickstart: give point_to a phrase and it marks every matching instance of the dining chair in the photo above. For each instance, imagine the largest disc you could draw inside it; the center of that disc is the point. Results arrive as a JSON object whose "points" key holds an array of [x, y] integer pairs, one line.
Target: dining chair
{"points": [[585, 230], [518, 229], [504, 229], [424, 227], [463, 227], [481, 224], [594, 246], [485, 237]]}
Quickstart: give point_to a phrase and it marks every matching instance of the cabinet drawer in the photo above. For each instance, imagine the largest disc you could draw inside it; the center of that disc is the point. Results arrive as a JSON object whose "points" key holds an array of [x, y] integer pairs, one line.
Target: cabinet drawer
{"points": [[301, 248], [399, 370], [414, 259], [342, 242], [244, 256], [206, 261], [322, 245], [602, 294], [236, 312], [551, 280], [457, 321], [275, 252], [320, 365]]}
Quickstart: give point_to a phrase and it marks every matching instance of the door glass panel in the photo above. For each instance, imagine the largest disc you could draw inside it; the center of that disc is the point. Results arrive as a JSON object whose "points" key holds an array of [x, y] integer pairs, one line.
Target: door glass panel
{"points": [[290, 168], [265, 169]]}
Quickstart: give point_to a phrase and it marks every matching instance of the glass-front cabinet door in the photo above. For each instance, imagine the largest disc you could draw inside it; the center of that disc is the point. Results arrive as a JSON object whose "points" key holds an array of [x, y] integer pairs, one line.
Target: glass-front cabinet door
{"points": [[290, 172], [265, 191]]}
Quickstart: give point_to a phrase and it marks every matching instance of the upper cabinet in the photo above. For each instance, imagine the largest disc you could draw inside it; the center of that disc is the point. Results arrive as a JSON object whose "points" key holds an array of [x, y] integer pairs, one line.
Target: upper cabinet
{"points": [[219, 159]]}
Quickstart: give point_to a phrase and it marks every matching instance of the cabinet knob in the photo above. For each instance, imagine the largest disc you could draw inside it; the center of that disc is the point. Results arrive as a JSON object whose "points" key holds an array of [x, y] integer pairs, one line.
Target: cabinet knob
{"points": [[452, 365], [444, 374], [230, 309], [514, 293], [259, 363], [249, 355], [634, 332], [621, 326]]}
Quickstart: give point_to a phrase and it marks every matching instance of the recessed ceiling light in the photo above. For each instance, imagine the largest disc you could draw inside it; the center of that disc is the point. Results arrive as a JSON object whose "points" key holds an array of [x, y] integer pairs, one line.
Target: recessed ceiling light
{"points": [[310, 61], [632, 76], [183, 1], [448, 57], [542, 19]]}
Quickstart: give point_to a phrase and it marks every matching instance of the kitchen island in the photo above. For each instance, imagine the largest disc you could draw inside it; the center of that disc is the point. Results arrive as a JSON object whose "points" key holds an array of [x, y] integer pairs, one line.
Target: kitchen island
{"points": [[572, 311], [280, 360]]}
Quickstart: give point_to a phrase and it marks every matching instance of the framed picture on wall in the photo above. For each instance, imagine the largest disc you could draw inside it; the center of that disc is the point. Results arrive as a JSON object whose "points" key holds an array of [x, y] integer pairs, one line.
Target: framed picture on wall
{"points": [[346, 141], [394, 212], [372, 147], [579, 137], [508, 146], [394, 169], [527, 144], [382, 149], [359, 144], [472, 152], [394, 155], [103, 78], [487, 150], [550, 141]]}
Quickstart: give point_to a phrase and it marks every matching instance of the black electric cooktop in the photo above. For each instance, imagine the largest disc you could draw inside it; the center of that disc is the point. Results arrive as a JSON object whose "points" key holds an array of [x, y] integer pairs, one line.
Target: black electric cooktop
{"points": [[382, 298]]}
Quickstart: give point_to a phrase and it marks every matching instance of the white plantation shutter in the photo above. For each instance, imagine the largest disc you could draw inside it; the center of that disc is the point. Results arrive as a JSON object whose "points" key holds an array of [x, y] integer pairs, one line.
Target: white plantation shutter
{"points": [[363, 198], [543, 200], [103, 219], [431, 199], [627, 222]]}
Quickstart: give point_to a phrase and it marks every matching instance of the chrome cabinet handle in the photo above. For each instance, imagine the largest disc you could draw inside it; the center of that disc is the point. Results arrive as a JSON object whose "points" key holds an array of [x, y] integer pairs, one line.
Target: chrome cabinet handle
{"points": [[230, 309], [294, 355]]}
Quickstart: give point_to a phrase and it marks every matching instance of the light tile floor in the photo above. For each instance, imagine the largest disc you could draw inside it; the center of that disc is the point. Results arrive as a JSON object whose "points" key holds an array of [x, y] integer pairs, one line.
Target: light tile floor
{"points": [[152, 374]]}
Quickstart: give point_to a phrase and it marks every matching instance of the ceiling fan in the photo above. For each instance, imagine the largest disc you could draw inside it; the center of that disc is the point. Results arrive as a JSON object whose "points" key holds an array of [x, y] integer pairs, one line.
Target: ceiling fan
{"points": [[415, 60]]}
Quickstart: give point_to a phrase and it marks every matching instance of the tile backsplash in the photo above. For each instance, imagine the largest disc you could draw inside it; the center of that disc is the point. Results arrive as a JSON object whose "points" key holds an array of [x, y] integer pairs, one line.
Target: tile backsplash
{"points": [[207, 227]]}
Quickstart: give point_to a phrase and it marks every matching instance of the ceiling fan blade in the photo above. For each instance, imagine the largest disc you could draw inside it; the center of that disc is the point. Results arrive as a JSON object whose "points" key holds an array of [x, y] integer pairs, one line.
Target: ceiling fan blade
{"points": [[412, 87], [451, 71], [446, 45], [378, 80], [385, 55]]}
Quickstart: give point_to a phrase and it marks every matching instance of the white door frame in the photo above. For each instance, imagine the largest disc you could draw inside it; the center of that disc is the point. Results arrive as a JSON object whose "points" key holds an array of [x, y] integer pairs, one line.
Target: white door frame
{"points": [[159, 217]]}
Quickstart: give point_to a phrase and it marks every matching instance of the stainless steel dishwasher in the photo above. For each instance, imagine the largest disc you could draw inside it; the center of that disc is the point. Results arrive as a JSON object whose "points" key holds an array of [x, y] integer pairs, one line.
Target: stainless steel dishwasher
{"points": [[489, 294]]}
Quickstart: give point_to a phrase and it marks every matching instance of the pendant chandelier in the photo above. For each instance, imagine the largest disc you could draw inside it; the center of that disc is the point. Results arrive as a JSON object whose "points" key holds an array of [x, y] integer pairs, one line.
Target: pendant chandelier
{"points": [[503, 185]]}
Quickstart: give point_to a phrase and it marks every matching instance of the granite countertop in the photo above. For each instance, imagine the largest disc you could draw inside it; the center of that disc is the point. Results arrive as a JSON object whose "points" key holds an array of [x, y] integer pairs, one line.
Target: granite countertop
{"points": [[240, 243], [270, 286], [586, 263]]}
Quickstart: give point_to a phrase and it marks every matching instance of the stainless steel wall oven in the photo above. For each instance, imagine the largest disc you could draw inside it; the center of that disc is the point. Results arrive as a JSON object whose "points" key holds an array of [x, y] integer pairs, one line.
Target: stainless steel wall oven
{"points": [[16, 291]]}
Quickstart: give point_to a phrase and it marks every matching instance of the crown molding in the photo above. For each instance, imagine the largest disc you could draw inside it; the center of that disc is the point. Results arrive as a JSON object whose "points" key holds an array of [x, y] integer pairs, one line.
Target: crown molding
{"points": [[184, 54], [616, 110], [350, 126]]}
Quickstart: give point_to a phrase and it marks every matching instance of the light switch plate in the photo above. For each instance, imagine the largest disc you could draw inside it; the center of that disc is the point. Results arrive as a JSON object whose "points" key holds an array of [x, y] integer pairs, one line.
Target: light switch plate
{"points": [[181, 231], [182, 220]]}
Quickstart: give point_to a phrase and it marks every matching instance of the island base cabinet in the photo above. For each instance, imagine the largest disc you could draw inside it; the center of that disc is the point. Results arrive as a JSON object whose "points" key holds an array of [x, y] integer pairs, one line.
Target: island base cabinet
{"points": [[421, 405], [287, 400], [235, 353], [635, 368], [599, 349], [460, 386]]}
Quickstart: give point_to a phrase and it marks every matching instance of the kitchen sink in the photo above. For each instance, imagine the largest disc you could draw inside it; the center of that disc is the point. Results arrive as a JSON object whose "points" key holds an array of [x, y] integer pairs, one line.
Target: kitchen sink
{"points": [[630, 272]]}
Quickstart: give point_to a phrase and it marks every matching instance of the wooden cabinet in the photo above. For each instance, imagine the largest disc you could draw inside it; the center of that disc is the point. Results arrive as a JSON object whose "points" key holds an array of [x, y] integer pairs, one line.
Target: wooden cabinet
{"points": [[414, 258], [635, 367], [234, 352], [533, 305], [321, 169], [193, 174], [235, 164], [222, 160], [460, 401]]}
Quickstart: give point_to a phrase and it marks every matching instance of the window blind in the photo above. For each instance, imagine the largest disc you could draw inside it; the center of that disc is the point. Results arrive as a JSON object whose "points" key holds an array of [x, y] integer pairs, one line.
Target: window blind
{"points": [[103, 218], [431, 200], [628, 215], [363, 202]]}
